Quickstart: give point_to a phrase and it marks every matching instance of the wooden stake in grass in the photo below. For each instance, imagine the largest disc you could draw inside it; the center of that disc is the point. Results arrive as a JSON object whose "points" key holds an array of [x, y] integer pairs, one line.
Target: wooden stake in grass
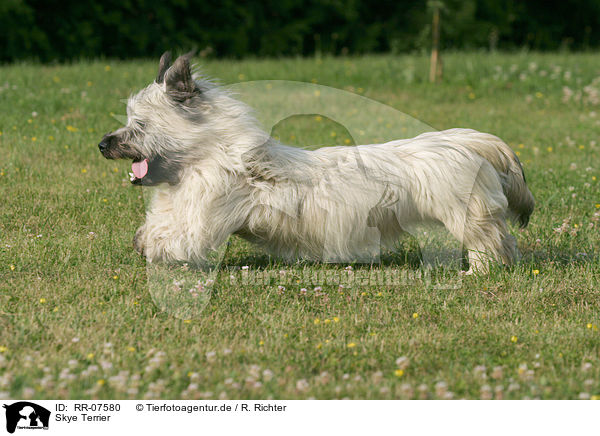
{"points": [[435, 68]]}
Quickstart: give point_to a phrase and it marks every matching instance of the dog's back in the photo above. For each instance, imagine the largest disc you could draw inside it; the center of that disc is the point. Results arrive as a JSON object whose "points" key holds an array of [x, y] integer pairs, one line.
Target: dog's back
{"points": [[491, 148]]}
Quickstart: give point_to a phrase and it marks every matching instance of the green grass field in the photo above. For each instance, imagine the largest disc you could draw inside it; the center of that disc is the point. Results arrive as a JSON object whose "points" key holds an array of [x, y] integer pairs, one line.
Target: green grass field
{"points": [[77, 319]]}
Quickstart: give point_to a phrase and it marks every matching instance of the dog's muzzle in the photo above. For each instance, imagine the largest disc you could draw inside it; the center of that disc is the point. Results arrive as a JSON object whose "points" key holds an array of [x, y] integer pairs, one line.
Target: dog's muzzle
{"points": [[105, 145]]}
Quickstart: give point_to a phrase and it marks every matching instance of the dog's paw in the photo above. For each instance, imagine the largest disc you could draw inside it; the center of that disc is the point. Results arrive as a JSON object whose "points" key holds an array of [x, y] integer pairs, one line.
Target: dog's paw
{"points": [[138, 241]]}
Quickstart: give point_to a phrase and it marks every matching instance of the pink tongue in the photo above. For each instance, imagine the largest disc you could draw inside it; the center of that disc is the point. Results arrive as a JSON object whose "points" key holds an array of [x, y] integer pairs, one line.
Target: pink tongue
{"points": [[140, 169]]}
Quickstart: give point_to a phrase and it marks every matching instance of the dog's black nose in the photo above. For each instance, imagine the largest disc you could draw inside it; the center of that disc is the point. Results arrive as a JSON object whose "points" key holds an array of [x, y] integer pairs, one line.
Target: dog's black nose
{"points": [[103, 145], [105, 142]]}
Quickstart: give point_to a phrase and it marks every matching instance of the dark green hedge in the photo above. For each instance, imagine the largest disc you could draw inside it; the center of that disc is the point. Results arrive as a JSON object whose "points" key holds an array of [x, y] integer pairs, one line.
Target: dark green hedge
{"points": [[50, 30]]}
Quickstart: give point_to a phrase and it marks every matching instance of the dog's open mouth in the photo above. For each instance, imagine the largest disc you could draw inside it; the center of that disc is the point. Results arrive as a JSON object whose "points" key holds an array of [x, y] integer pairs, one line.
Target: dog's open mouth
{"points": [[139, 170], [153, 171]]}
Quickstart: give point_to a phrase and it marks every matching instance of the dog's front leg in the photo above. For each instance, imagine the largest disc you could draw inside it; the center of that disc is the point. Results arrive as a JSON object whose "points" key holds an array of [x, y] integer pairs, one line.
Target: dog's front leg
{"points": [[163, 240], [138, 240]]}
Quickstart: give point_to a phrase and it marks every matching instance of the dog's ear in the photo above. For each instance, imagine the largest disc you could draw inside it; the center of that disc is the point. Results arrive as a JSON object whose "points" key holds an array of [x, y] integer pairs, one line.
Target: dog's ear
{"points": [[163, 66], [178, 79]]}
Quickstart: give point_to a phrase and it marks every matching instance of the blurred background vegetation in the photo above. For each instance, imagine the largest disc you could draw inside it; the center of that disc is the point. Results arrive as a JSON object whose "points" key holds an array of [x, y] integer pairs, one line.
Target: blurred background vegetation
{"points": [[59, 30]]}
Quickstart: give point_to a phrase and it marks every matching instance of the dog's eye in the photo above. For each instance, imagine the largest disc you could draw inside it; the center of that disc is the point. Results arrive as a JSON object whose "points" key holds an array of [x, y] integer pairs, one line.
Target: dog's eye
{"points": [[140, 124]]}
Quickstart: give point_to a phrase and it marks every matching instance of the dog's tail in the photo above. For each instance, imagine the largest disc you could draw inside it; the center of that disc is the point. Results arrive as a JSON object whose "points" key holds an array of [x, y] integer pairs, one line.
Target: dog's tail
{"points": [[508, 166]]}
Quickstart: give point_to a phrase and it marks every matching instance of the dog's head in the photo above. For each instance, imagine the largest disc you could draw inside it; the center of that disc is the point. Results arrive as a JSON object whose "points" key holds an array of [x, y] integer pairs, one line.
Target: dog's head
{"points": [[160, 119]]}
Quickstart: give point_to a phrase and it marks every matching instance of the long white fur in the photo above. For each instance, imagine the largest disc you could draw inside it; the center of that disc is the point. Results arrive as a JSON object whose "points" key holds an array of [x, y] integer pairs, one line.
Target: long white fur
{"points": [[333, 204]]}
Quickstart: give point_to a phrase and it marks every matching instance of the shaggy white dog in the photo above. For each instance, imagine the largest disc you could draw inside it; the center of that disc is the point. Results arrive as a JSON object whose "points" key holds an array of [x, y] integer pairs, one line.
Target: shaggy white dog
{"points": [[219, 174]]}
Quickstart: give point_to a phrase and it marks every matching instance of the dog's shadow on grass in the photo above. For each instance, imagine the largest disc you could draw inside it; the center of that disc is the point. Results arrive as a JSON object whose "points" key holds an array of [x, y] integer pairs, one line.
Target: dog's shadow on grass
{"points": [[404, 257], [407, 256], [265, 261], [538, 256]]}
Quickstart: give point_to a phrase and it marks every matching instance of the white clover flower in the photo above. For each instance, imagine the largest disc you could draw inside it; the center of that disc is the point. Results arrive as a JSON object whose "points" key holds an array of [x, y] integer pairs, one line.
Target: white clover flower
{"points": [[254, 371], [211, 356], [486, 392], [402, 362], [302, 385], [480, 371], [377, 377], [441, 388], [514, 387], [406, 390]]}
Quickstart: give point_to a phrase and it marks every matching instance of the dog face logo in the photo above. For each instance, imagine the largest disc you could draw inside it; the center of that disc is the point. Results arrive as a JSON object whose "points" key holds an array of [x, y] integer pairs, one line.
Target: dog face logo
{"points": [[26, 415]]}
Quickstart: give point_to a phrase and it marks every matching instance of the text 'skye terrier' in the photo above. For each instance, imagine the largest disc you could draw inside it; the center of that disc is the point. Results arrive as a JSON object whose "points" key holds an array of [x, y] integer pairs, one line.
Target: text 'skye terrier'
{"points": [[217, 173]]}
